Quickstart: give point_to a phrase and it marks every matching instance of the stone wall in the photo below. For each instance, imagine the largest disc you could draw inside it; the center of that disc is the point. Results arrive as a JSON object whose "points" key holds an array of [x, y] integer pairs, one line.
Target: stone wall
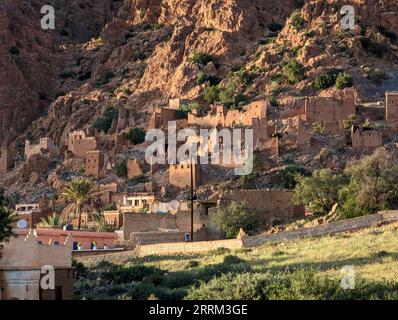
{"points": [[188, 247], [329, 228], [95, 257]]}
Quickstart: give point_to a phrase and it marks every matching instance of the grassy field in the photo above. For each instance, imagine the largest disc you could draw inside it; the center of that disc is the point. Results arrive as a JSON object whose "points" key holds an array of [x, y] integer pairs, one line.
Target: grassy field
{"points": [[302, 269]]}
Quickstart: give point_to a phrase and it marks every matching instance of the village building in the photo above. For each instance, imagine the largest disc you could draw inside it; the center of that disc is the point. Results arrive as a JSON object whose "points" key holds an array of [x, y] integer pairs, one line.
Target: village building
{"points": [[94, 163], [180, 175], [5, 160], [391, 109], [31, 213], [365, 138], [79, 144], [45, 145], [137, 202], [21, 263]]}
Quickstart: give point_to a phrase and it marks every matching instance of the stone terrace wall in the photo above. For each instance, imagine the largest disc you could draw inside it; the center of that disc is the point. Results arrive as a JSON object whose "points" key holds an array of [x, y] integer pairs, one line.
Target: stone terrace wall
{"points": [[185, 247], [329, 228], [95, 257]]}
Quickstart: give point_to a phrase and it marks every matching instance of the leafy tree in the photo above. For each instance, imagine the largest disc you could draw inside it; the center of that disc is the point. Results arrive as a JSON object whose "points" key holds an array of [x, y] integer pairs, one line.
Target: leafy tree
{"points": [[211, 94], [288, 175], [320, 191], [136, 135], [235, 216], [80, 192], [121, 169], [296, 20], [7, 218], [325, 81], [343, 80], [294, 71], [104, 123], [373, 185]]}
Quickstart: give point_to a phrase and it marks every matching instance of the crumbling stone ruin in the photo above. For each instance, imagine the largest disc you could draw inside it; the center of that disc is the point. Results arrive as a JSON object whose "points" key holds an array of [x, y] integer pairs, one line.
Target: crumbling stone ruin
{"points": [[94, 163], [180, 175], [5, 160], [362, 138], [79, 144], [44, 145]]}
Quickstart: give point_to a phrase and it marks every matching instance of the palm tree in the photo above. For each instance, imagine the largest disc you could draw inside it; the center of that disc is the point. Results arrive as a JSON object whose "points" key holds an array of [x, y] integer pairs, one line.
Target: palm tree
{"points": [[52, 221], [80, 191]]}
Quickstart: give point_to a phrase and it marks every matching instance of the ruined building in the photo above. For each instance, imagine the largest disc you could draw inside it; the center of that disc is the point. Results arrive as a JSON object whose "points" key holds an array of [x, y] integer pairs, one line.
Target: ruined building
{"points": [[362, 138], [94, 163], [134, 169], [180, 175], [79, 144], [45, 145], [220, 116], [5, 160], [330, 109]]}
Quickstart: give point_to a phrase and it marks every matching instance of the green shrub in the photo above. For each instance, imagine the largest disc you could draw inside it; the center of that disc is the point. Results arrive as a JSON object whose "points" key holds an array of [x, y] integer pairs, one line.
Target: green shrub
{"points": [[375, 74], [121, 169], [373, 48], [273, 101], [211, 94], [288, 175], [294, 71], [234, 217], [104, 123], [325, 81], [201, 58], [344, 80], [296, 20], [136, 135], [156, 26], [138, 55], [139, 179], [202, 78]]}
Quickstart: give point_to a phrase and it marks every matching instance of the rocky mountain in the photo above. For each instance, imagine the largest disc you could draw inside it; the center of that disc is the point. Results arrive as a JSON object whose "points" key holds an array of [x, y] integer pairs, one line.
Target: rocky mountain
{"points": [[140, 53]]}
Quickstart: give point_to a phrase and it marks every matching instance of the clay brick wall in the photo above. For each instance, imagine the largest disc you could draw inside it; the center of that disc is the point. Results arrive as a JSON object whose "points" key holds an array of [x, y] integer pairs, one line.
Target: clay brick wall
{"points": [[366, 138], [180, 175], [391, 109], [79, 144], [272, 204], [94, 258], [5, 160], [333, 127], [134, 169], [330, 109], [153, 222], [94, 163], [161, 116]]}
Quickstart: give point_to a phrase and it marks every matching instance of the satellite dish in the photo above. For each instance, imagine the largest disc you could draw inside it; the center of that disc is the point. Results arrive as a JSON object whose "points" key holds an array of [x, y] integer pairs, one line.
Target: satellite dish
{"points": [[22, 224], [174, 205]]}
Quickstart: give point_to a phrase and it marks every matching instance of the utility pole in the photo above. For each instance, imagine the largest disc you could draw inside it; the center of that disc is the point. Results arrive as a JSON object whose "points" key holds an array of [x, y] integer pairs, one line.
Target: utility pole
{"points": [[191, 238]]}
